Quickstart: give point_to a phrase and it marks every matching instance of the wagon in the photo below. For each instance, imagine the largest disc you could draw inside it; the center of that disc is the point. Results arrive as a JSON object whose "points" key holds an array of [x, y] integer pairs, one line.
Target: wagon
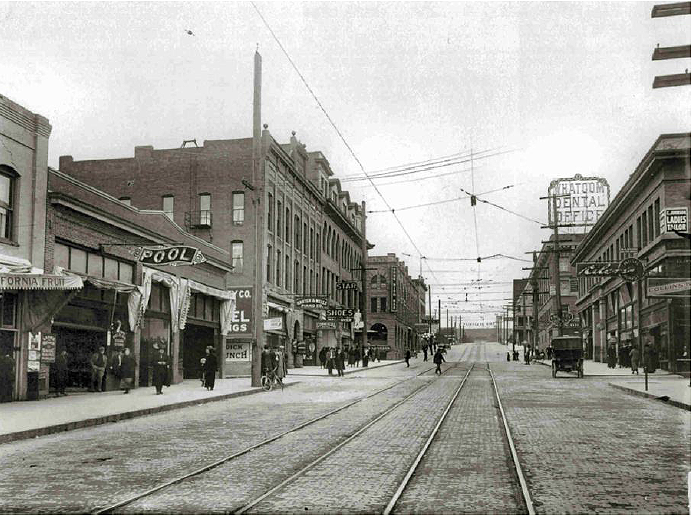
{"points": [[568, 355]]}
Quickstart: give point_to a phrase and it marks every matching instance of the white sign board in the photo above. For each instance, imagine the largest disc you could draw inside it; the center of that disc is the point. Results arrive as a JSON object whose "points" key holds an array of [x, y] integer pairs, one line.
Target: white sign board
{"points": [[237, 351], [275, 323], [579, 201], [674, 219]]}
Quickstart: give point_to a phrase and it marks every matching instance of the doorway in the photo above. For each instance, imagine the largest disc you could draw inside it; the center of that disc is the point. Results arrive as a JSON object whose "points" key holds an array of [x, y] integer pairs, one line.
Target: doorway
{"points": [[80, 345], [194, 341]]}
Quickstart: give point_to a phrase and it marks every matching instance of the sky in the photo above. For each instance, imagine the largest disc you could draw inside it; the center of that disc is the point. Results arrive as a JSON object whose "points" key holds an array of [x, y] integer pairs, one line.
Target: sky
{"points": [[560, 88]]}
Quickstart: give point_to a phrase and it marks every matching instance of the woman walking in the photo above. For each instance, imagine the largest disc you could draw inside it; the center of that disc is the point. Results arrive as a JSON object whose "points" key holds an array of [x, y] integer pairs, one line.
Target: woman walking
{"points": [[127, 371], [634, 359]]}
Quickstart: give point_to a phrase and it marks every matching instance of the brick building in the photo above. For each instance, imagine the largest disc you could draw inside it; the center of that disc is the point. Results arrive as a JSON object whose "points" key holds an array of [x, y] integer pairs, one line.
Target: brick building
{"points": [[311, 237], [396, 304], [183, 309], [622, 313]]}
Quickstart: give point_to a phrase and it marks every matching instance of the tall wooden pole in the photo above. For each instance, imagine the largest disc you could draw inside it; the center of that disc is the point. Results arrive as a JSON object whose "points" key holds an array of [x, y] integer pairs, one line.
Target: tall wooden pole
{"points": [[258, 185], [364, 285]]}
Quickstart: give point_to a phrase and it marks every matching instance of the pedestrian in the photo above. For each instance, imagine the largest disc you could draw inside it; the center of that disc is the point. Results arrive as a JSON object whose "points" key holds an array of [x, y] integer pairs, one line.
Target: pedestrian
{"points": [[160, 369], [210, 366], [508, 357], [202, 361], [116, 364], [330, 360], [323, 357], [61, 370], [356, 357], [351, 357], [339, 361], [279, 362], [438, 359], [634, 359], [527, 356], [425, 352], [407, 357], [365, 357], [649, 358], [7, 373], [98, 368], [127, 371], [268, 361]]}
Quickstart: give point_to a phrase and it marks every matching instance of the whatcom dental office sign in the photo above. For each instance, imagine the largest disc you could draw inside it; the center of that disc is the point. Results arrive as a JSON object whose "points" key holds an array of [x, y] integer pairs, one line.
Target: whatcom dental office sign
{"points": [[580, 202]]}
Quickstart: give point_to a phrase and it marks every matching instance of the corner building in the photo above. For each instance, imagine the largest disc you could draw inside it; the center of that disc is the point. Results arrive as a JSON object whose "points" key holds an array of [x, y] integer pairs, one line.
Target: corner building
{"points": [[312, 233], [622, 313]]}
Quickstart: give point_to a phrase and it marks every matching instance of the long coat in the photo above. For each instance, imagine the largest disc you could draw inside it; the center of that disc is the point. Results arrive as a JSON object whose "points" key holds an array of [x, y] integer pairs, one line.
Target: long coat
{"points": [[339, 360], [61, 369], [211, 364], [160, 369]]}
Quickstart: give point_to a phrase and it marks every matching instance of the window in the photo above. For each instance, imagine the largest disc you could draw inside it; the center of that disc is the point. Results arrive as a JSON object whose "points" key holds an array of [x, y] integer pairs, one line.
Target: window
{"points": [[269, 264], [305, 280], [645, 237], [383, 304], [657, 212], [61, 256], [639, 232], [167, 205], [305, 237], [278, 268], [287, 270], [238, 207], [205, 209], [651, 222], [373, 305], [296, 278], [288, 226], [78, 260], [279, 226], [312, 243], [7, 187], [270, 212], [296, 226], [237, 254], [317, 246], [125, 200]]}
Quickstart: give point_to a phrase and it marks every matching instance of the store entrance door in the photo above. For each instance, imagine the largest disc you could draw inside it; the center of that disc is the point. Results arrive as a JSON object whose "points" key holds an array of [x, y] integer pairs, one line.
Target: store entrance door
{"points": [[80, 345], [195, 340]]}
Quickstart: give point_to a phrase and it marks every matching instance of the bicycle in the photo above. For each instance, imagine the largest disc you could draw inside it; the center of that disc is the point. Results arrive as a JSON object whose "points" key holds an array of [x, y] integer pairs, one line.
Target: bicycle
{"points": [[270, 379]]}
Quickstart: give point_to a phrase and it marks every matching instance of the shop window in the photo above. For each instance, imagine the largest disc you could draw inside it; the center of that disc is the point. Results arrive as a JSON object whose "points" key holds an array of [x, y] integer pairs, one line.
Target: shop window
{"points": [[78, 260], [110, 270], [238, 208], [8, 180], [215, 310], [126, 273], [208, 308], [61, 256], [8, 310], [155, 298], [95, 265]]}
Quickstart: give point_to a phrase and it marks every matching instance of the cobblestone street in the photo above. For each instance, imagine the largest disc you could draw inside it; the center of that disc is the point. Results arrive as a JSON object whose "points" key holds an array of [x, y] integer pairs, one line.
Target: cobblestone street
{"points": [[584, 447]]}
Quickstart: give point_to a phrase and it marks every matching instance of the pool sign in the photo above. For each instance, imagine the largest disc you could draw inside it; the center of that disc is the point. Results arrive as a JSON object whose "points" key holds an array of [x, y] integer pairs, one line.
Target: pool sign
{"points": [[674, 219], [170, 255]]}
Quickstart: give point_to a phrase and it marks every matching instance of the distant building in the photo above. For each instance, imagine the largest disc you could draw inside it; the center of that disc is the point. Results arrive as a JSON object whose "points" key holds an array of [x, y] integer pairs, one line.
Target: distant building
{"points": [[396, 304], [648, 220]]}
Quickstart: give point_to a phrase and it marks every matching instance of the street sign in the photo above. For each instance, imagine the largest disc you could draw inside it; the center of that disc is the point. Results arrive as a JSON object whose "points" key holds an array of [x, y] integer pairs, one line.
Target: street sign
{"points": [[674, 219], [346, 285], [326, 325], [340, 314], [668, 287]]}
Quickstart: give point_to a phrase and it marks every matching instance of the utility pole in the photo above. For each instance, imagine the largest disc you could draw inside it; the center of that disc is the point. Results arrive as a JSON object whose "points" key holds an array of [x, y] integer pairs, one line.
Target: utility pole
{"points": [[430, 308], [364, 285], [258, 187], [556, 251]]}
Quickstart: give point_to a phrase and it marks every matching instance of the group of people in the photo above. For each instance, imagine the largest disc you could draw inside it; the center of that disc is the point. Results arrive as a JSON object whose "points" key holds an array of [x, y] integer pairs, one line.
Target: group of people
{"points": [[430, 347], [335, 358], [274, 362], [628, 355]]}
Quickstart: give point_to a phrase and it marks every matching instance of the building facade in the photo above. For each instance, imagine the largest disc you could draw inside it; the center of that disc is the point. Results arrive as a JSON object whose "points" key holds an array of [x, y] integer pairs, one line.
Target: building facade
{"points": [[126, 302], [396, 304], [641, 223], [311, 233]]}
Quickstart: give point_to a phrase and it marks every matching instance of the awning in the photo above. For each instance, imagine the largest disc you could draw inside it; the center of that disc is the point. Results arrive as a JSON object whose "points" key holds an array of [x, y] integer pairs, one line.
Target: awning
{"points": [[40, 282], [280, 308], [211, 291]]}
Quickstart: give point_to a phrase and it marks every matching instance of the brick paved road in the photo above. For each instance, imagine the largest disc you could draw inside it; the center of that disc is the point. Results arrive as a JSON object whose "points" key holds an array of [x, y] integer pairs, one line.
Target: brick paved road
{"points": [[585, 448]]}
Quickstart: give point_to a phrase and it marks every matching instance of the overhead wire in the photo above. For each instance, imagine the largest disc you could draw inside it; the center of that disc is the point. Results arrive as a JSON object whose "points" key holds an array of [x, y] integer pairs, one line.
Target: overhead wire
{"points": [[504, 209], [338, 132], [455, 199]]}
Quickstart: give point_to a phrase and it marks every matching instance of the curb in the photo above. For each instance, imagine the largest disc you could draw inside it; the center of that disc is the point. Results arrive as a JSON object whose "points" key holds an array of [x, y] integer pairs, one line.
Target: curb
{"points": [[112, 418], [634, 392], [348, 372]]}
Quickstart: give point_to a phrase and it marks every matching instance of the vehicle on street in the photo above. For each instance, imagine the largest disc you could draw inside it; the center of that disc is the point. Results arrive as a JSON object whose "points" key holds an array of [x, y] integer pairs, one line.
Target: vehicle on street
{"points": [[568, 355]]}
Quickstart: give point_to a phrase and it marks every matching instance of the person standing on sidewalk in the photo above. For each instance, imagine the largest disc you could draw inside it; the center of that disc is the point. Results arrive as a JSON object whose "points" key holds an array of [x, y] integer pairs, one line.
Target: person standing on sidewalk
{"points": [[339, 360], [127, 371], [279, 360], [160, 370], [425, 352], [61, 373], [98, 368], [634, 359], [407, 357], [330, 360], [323, 357], [211, 364], [438, 359]]}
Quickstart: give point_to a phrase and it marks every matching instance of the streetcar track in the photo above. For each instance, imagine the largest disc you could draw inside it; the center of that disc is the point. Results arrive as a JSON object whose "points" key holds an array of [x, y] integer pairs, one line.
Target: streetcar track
{"points": [[122, 503]]}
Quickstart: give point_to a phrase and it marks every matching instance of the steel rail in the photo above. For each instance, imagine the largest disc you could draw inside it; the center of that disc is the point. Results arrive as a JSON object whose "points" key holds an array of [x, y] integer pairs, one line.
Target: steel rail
{"points": [[414, 466], [319, 459], [110, 508], [515, 457]]}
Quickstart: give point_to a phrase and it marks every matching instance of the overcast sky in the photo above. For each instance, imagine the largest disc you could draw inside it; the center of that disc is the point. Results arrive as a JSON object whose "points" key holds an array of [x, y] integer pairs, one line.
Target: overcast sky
{"points": [[566, 86]]}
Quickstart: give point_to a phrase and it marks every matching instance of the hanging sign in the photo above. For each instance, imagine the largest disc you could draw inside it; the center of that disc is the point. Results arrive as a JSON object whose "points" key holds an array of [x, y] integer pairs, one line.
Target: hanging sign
{"points": [[578, 200], [631, 269], [39, 282], [674, 219], [326, 325], [170, 255], [47, 348], [392, 287], [312, 302], [346, 285], [340, 314]]}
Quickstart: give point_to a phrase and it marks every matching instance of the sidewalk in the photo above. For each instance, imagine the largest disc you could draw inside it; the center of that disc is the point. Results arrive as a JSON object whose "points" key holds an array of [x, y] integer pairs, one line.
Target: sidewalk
{"points": [[27, 419], [319, 371], [592, 368], [672, 389]]}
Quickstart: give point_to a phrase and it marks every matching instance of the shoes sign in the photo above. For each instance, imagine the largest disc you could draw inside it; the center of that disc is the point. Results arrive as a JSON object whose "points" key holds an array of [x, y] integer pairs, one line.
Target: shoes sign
{"points": [[339, 314]]}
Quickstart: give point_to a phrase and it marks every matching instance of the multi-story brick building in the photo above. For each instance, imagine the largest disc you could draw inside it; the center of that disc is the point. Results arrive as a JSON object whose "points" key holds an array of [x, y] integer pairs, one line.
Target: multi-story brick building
{"points": [[312, 234], [640, 223], [396, 304]]}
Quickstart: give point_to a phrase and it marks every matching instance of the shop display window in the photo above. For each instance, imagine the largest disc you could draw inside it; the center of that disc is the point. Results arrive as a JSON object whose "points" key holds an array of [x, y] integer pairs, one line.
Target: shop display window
{"points": [[8, 309]]}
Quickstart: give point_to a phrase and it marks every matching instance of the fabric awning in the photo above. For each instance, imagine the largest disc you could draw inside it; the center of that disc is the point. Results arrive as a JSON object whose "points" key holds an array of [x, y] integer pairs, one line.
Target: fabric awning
{"points": [[211, 291], [40, 282]]}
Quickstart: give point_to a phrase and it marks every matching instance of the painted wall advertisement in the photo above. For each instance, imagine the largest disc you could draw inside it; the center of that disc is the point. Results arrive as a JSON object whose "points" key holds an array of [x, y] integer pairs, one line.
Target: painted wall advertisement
{"points": [[579, 201], [238, 351], [241, 318]]}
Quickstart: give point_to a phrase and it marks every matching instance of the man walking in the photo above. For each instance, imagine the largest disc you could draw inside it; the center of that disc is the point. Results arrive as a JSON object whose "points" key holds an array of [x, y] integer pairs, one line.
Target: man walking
{"points": [[408, 357], [634, 359], [438, 359], [160, 370], [340, 362], [61, 373], [425, 352], [98, 368]]}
